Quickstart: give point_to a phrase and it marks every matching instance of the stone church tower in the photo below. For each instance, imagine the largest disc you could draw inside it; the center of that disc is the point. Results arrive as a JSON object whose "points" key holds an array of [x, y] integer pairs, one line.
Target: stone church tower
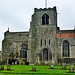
{"points": [[42, 36]]}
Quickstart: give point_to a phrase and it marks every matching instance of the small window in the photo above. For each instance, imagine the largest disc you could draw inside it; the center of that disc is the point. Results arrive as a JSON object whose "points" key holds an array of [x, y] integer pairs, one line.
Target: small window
{"points": [[45, 41], [49, 41], [45, 19], [41, 41]]}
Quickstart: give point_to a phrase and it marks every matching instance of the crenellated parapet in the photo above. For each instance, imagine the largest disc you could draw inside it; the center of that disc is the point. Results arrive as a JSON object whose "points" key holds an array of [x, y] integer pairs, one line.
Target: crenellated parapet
{"points": [[44, 9]]}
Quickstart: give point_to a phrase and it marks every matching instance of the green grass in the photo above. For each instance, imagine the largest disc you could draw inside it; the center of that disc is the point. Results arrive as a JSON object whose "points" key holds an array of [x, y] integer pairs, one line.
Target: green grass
{"points": [[41, 70]]}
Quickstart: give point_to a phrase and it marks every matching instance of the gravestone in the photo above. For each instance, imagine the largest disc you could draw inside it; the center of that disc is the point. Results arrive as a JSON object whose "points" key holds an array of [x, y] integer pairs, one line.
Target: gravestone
{"points": [[64, 66], [12, 63], [33, 68], [15, 62], [51, 66], [37, 63], [59, 64], [8, 67], [19, 62], [23, 63], [71, 69], [2, 67]]}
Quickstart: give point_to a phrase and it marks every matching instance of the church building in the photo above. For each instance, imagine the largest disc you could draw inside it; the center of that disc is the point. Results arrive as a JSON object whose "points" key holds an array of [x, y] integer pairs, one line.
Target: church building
{"points": [[43, 43]]}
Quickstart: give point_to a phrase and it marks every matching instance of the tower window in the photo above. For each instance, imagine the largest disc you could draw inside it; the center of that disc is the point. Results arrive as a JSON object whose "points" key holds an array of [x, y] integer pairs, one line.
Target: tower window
{"points": [[45, 54], [49, 41], [41, 41], [45, 19], [45, 41]]}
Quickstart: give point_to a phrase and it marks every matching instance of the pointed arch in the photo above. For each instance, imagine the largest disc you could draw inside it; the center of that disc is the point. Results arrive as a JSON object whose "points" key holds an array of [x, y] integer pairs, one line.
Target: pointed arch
{"points": [[45, 54], [45, 41], [23, 51], [49, 41], [66, 49], [45, 19]]}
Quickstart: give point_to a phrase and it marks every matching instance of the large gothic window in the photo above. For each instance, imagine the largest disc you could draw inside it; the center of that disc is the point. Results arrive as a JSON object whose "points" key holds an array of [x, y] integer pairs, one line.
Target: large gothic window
{"points": [[66, 50], [45, 54], [23, 51], [45, 19]]}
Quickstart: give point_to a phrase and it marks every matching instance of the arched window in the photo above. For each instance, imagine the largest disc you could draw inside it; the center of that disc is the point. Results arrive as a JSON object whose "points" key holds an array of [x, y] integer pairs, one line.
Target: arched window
{"points": [[66, 50], [23, 51], [45, 19], [45, 54], [45, 41], [41, 42], [49, 41]]}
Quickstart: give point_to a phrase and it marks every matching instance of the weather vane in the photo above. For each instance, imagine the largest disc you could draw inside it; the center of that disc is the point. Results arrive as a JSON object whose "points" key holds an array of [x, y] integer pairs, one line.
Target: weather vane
{"points": [[45, 3]]}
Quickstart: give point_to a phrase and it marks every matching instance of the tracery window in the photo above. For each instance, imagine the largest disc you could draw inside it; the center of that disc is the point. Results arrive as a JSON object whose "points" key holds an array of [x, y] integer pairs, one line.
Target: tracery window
{"points": [[66, 50], [45, 19], [23, 51], [45, 54]]}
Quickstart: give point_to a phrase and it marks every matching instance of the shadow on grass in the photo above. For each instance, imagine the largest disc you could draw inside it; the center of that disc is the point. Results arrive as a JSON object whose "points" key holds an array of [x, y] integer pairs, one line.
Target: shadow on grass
{"points": [[33, 73]]}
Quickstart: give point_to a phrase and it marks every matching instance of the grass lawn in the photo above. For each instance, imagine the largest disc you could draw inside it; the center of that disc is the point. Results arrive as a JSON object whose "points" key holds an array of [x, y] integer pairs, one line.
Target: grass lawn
{"points": [[41, 70]]}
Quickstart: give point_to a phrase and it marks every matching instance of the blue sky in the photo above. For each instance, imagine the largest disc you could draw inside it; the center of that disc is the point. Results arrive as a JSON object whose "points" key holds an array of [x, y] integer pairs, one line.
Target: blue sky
{"points": [[16, 14]]}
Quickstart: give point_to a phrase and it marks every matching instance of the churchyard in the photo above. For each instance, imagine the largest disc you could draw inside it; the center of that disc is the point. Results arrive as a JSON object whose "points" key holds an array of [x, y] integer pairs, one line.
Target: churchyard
{"points": [[36, 69]]}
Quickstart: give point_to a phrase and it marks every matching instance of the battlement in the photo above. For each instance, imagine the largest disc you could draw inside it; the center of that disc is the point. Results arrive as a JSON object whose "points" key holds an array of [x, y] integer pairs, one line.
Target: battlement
{"points": [[41, 9]]}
